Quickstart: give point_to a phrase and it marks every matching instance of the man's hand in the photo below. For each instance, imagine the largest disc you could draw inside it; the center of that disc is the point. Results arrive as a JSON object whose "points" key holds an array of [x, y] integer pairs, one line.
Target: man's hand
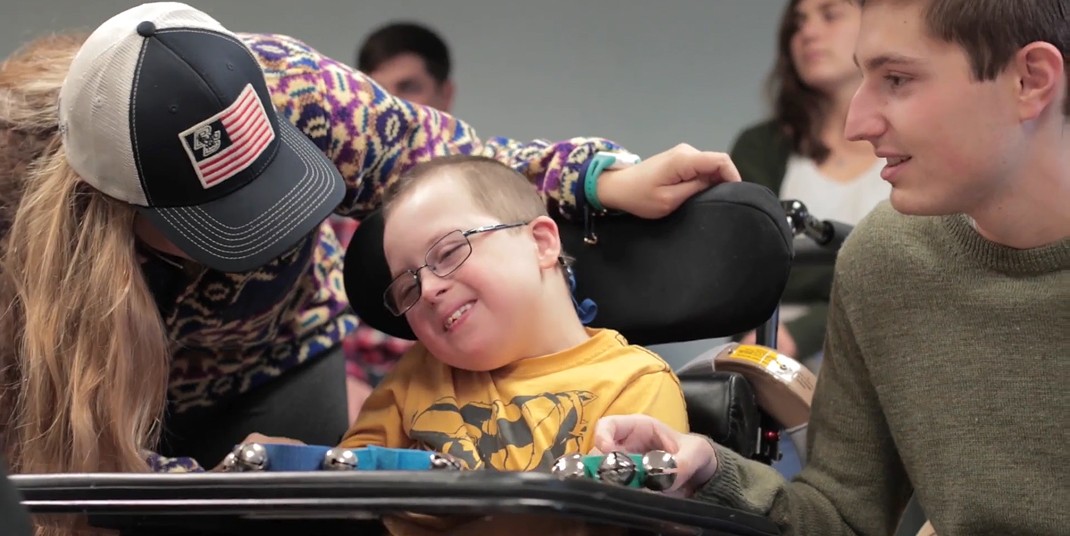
{"points": [[696, 461]]}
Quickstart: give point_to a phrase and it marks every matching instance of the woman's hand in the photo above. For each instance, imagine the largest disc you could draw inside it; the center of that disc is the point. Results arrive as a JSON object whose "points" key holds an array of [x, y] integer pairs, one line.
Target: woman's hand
{"points": [[696, 461], [655, 187], [262, 439]]}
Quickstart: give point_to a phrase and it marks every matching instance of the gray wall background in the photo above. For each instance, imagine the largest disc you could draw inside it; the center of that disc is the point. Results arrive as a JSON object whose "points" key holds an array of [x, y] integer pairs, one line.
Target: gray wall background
{"points": [[645, 74]]}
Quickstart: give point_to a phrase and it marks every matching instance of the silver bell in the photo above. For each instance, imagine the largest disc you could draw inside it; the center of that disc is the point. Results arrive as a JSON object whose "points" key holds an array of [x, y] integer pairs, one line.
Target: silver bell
{"points": [[338, 459], [616, 468], [229, 462], [250, 457], [660, 469], [441, 461], [569, 466]]}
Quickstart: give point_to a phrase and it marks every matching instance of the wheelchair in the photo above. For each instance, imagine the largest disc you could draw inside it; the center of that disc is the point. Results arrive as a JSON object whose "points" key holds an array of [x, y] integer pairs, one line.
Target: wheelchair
{"points": [[715, 267]]}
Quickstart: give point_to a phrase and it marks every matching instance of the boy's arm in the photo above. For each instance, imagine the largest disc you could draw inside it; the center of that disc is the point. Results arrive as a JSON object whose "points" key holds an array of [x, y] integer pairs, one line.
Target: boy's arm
{"points": [[657, 394], [379, 422], [373, 136]]}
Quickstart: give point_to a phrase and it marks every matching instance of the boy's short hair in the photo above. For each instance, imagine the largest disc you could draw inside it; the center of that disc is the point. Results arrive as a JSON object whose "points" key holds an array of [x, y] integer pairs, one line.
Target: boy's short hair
{"points": [[992, 31], [496, 188], [399, 38]]}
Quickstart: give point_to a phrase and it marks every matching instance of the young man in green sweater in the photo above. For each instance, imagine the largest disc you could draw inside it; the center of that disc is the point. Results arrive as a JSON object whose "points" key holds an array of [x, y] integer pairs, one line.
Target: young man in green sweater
{"points": [[947, 357]]}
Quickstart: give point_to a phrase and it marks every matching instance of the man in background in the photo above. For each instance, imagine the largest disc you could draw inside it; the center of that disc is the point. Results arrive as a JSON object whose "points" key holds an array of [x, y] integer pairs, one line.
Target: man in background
{"points": [[411, 61]]}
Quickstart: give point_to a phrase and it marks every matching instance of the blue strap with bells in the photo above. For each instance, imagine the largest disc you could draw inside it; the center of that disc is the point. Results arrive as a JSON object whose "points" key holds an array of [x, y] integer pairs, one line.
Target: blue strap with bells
{"points": [[277, 457], [295, 457]]}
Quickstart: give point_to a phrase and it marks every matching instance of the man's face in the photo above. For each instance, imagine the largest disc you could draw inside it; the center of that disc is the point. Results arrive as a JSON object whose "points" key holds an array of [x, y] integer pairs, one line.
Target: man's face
{"points": [[951, 142], [406, 76]]}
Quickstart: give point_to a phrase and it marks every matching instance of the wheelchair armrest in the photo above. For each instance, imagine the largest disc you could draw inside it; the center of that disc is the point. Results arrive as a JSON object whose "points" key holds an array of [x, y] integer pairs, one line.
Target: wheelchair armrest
{"points": [[722, 406]]}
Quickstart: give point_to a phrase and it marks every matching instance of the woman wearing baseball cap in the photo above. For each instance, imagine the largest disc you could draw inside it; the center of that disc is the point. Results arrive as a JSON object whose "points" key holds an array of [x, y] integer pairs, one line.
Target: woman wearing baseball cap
{"points": [[167, 280]]}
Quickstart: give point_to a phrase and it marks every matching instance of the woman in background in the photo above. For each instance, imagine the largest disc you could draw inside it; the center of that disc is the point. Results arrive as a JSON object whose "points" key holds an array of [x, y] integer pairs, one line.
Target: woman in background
{"points": [[801, 152]]}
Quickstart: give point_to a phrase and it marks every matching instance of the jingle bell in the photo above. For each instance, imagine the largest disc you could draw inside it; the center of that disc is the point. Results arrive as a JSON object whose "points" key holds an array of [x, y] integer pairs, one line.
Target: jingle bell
{"points": [[337, 459], [569, 466], [660, 469], [444, 462], [250, 457], [617, 468], [229, 461]]}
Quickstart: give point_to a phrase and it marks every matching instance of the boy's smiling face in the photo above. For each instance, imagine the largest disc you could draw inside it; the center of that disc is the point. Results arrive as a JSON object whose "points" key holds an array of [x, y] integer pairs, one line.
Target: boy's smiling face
{"points": [[480, 316]]}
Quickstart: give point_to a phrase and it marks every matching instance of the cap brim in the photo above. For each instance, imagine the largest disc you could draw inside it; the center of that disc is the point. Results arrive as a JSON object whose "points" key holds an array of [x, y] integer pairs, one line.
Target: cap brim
{"points": [[267, 217]]}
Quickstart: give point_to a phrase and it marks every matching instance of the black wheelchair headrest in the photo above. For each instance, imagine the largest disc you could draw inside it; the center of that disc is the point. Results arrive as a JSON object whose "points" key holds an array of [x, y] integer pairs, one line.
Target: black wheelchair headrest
{"points": [[715, 267]]}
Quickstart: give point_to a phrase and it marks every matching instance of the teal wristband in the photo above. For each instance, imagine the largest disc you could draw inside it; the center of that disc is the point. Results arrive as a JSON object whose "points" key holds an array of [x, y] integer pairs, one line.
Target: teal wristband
{"points": [[599, 163]]}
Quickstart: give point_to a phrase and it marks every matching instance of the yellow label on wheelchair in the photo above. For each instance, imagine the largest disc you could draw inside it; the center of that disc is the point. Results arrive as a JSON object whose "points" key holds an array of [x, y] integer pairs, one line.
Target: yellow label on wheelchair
{"points": [[759, 354]]}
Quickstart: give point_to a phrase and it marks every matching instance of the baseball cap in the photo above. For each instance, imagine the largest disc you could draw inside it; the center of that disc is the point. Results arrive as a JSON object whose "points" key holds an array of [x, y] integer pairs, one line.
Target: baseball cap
{"points": [[167, 110]]}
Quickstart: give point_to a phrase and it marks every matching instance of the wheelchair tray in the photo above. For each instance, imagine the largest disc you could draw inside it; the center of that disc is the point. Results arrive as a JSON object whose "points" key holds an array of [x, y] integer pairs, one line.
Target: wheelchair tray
{"points": [[352, 502]]}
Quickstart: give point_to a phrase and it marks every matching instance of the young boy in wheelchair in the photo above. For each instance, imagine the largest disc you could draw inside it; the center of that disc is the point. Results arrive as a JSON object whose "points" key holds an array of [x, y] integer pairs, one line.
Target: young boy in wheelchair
{"points": [[504, 375]]}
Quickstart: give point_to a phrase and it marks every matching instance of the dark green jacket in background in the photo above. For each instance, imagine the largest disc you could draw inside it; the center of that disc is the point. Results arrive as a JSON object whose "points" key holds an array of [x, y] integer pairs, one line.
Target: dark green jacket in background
{"points": [[761, 155]]}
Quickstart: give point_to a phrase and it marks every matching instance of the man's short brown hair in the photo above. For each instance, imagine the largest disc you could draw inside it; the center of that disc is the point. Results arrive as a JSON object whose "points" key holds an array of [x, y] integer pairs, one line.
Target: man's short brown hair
{"points": [[992, 31]]}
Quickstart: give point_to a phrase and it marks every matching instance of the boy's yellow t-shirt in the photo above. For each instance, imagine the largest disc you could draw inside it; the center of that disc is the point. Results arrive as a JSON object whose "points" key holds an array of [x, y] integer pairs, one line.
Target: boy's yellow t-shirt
{"points": [[521, 417]]}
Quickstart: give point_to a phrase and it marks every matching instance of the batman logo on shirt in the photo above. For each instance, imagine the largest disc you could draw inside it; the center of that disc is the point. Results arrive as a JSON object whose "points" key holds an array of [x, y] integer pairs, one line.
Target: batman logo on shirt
{"points": [[523, 434]]}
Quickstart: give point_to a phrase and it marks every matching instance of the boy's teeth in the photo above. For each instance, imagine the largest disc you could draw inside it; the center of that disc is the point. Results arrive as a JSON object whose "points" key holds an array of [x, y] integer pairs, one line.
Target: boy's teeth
{"points": [[456, 315]]}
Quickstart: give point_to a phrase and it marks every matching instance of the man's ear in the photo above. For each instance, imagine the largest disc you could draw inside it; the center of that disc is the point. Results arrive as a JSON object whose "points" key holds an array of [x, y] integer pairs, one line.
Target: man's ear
{"points": [[1041, 75], [547, 241], [446, 89]]}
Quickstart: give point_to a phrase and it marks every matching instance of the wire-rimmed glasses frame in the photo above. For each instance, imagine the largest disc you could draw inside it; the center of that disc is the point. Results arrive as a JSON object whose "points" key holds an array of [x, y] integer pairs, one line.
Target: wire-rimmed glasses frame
{"points": [[443, 258]]}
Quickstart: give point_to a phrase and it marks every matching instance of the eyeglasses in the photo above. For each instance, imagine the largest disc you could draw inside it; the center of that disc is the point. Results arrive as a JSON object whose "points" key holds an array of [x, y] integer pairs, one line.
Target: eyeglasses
{"points": [[443, 258]]}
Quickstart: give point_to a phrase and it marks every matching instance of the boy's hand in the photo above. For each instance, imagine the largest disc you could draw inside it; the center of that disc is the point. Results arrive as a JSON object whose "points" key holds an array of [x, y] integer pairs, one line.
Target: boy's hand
{"points": [[696, 461], [261, 438], [655, 187]]}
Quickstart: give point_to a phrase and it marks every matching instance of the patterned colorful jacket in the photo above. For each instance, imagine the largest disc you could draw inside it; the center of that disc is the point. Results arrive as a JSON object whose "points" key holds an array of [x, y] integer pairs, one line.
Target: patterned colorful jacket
{"points": [[235, 331]]}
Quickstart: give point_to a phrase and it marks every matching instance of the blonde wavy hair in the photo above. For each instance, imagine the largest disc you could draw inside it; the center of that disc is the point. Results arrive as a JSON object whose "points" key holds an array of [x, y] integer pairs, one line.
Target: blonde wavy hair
{"points": [[83, 351]]}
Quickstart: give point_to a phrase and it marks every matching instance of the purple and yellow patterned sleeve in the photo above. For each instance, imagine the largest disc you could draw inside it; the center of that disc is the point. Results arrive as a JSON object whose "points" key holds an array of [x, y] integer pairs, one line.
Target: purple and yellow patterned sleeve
{"points": [[373, 136], [161, 464]]}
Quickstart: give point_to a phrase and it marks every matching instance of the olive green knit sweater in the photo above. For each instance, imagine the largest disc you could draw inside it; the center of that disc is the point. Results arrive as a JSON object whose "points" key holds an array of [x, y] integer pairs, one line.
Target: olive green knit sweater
{"points": [[946, 370]]}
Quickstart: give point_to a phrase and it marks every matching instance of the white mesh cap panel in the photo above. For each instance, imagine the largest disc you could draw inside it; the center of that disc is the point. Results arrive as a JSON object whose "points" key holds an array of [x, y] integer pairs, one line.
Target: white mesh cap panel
{"points": [[95, 106], [95, 124]]}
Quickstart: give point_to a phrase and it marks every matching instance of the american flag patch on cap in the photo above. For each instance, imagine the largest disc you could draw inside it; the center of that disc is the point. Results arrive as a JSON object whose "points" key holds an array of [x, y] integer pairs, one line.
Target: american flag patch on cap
{"points": [[226, 144]]}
